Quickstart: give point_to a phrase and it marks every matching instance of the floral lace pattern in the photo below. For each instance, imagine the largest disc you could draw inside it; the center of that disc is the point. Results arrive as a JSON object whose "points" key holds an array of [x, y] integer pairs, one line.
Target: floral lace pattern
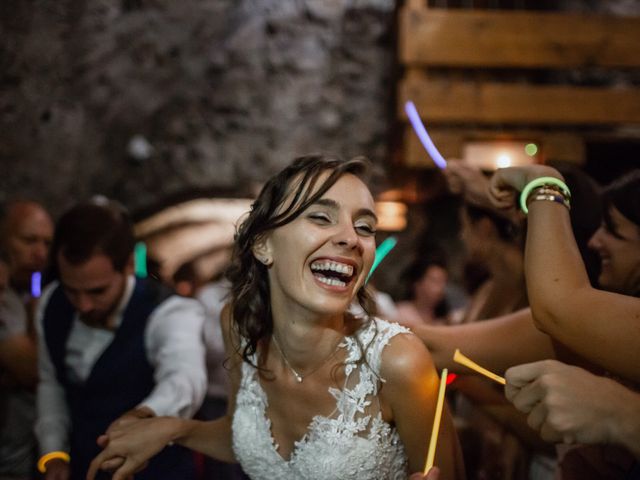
{"points": [[353, 443]]}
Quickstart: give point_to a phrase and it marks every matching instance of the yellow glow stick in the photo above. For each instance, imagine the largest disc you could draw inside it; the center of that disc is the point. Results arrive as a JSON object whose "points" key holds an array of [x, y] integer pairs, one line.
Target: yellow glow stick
{"points": [[436, 422], [461, 359]]}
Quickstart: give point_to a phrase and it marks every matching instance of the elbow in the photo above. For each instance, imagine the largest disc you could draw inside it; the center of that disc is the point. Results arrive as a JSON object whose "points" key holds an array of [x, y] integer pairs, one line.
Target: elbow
{"points": [[543, 319]]}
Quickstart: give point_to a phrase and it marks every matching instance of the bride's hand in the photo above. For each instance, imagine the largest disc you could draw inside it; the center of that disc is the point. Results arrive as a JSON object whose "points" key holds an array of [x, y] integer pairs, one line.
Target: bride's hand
{"points": [[433, 474], [128, 448]]}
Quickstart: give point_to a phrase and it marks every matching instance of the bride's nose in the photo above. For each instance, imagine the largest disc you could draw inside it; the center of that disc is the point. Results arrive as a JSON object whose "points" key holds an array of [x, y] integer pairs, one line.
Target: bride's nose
{"points": [[346, 235]]}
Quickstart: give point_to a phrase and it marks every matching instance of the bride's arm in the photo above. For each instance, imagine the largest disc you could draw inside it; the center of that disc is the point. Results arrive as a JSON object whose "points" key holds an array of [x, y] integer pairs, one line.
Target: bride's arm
{"points": [[128, 448], [410, 391]]}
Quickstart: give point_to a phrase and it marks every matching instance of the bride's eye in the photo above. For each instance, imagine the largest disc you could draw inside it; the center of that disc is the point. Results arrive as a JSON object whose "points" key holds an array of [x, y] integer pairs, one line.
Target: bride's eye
{"points": [[365, 229], [319, 218]]}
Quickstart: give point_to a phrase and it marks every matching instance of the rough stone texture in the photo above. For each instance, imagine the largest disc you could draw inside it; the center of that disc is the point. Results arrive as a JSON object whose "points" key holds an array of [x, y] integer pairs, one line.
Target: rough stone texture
{"points": [[139, 99]]}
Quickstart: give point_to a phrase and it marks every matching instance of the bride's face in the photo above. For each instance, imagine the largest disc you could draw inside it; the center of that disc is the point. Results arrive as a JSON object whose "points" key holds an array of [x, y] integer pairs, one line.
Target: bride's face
{"points": [[322, 258]]}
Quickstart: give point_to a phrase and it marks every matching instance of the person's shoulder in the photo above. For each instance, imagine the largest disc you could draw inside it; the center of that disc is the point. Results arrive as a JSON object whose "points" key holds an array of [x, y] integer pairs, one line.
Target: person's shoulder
{"points": [[404, 355]]}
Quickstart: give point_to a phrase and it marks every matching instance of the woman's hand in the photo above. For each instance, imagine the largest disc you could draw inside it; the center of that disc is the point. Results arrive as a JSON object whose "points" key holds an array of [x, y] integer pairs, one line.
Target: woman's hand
{"points": [[569, 404], [506, 183], [468, 181], [128, 447]]}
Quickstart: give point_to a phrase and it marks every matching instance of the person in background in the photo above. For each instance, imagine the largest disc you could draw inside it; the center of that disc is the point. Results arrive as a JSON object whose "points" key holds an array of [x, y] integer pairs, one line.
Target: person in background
{"points": [[426, 280], [597, 323], [25, 236], [113, 348]]}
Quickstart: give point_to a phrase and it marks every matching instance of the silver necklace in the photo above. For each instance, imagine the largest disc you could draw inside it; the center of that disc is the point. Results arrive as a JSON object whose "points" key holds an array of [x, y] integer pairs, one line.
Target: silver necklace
{"points": [[298, 376]]}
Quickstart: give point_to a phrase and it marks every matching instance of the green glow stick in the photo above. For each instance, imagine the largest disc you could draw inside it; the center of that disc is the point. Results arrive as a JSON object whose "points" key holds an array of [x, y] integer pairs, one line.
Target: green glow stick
{"points": [[140, 260], [383, 249]]}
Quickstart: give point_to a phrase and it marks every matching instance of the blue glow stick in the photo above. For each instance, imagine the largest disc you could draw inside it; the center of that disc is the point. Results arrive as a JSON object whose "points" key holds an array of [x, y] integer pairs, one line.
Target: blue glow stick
{"points": [[140, 260], [382, 251], [36, 284], [424, 137]]}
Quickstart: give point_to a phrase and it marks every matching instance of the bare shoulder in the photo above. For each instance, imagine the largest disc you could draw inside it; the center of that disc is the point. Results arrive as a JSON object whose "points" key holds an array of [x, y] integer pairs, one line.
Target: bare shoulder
{"points": [[405, 359]]}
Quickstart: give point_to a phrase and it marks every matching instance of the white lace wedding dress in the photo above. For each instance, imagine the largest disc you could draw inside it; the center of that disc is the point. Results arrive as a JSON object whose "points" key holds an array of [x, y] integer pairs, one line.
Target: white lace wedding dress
{"points": [[353, 443]]}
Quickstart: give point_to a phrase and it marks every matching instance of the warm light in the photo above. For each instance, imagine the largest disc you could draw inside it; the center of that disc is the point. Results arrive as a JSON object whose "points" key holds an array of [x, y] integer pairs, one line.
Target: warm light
{"points": [[392, 216], [503, 161], [490, 155]]}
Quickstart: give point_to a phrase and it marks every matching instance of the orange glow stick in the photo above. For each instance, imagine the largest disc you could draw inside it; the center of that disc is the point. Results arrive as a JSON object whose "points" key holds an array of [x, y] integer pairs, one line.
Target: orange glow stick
{"points": [[461, 359], [436, 422]]}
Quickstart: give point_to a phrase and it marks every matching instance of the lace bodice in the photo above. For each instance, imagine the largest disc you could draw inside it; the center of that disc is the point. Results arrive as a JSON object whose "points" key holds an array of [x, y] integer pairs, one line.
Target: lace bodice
{"points": [[353, 443]]}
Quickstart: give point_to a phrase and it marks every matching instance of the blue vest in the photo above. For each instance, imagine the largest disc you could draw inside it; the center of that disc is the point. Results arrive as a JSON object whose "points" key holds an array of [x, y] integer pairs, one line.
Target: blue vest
{"points": [[120, 379]]}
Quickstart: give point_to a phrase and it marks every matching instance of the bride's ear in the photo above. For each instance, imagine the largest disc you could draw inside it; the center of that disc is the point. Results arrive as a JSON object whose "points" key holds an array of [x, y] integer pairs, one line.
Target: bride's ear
{"points": [[262, 251]]}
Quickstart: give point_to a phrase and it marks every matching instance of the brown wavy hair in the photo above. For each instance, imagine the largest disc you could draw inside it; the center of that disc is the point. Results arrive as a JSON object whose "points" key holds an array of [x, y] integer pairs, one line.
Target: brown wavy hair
{"points": [[282, 199]]}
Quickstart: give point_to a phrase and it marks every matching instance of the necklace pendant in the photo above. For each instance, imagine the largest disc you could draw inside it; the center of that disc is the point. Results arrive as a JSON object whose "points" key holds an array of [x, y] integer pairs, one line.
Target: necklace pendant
{"points": [[298, 377]]}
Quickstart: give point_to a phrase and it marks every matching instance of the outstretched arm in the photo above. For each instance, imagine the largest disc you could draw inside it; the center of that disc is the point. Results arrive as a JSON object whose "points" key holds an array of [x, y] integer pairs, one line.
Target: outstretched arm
{"points": [[496, 344], [600, 325], [128, 447]]}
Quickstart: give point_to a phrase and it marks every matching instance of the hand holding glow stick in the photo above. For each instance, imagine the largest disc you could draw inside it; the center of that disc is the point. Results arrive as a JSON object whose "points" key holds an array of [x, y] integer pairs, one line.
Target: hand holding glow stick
{"points": [[462, 360], [436, 422]]}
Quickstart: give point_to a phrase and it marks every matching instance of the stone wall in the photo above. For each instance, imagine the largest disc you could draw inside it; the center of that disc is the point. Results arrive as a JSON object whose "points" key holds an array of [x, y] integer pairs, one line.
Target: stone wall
{"points": [[140, 99]]}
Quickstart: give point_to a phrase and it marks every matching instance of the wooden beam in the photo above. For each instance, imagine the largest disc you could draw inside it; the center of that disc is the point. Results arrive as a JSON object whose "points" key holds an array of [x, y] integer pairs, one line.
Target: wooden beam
{"points": [[518, 39], [564, 146], [443, 101]]}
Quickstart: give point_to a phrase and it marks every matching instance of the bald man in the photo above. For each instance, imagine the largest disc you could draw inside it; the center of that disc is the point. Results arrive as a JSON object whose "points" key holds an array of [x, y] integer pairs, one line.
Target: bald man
{"points": [[26, 230]]}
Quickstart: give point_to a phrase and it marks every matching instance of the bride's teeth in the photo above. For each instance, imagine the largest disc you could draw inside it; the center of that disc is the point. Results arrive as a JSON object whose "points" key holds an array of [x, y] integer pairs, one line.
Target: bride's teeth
{"points": [[332, 281], [333, 266]]}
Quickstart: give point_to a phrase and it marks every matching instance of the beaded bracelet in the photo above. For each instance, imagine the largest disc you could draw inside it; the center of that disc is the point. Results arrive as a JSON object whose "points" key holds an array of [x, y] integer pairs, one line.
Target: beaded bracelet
{"points": [[541, 182], [550, 196], [42, 463]]}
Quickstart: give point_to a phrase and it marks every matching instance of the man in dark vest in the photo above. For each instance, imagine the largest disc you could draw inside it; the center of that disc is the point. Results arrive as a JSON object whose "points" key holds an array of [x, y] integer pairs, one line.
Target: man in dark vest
{"points": [[112, 347]]}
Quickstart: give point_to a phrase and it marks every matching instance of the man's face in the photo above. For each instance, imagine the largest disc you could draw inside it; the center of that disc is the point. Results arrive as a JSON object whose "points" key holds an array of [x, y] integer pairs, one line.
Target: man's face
{"points": [[93, 287], [29, 233]]}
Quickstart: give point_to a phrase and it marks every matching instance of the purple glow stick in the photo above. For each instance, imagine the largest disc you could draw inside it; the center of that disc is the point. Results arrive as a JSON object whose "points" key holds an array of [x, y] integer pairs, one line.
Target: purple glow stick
{"points": [[424, 137], [36, 283]]}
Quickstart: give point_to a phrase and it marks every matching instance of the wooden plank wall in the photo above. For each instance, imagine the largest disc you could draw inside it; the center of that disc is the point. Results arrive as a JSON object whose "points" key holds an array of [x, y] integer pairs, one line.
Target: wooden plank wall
{"points": [[450, 58]]}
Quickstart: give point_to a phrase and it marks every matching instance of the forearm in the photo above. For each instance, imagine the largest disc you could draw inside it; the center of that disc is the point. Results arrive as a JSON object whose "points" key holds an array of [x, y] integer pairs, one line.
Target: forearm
{"points": [[627, 430], [564, 304], [496, 344], [211, 438]]}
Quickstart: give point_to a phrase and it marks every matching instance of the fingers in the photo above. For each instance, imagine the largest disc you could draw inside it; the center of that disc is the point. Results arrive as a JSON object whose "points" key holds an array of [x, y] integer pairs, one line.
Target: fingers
{"points": [[112, 464], [105, 460], [522, 375], [102, 441], [94, 466], [126, 471], [433, 474], [538, 416]]}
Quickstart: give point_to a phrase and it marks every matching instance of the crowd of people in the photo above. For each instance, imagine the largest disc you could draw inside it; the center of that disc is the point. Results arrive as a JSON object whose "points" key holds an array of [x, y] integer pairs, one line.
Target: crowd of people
{"points": [[284, 368]]}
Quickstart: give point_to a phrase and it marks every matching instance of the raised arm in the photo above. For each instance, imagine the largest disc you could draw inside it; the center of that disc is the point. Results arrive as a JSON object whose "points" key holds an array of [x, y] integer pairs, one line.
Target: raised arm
{"points": [[601, 325], [496, 344]]}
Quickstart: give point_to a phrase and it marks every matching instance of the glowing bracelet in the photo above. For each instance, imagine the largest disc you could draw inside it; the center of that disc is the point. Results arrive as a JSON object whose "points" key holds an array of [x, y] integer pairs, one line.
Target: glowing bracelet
{"points": [[540, 182], [42, 463]]}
